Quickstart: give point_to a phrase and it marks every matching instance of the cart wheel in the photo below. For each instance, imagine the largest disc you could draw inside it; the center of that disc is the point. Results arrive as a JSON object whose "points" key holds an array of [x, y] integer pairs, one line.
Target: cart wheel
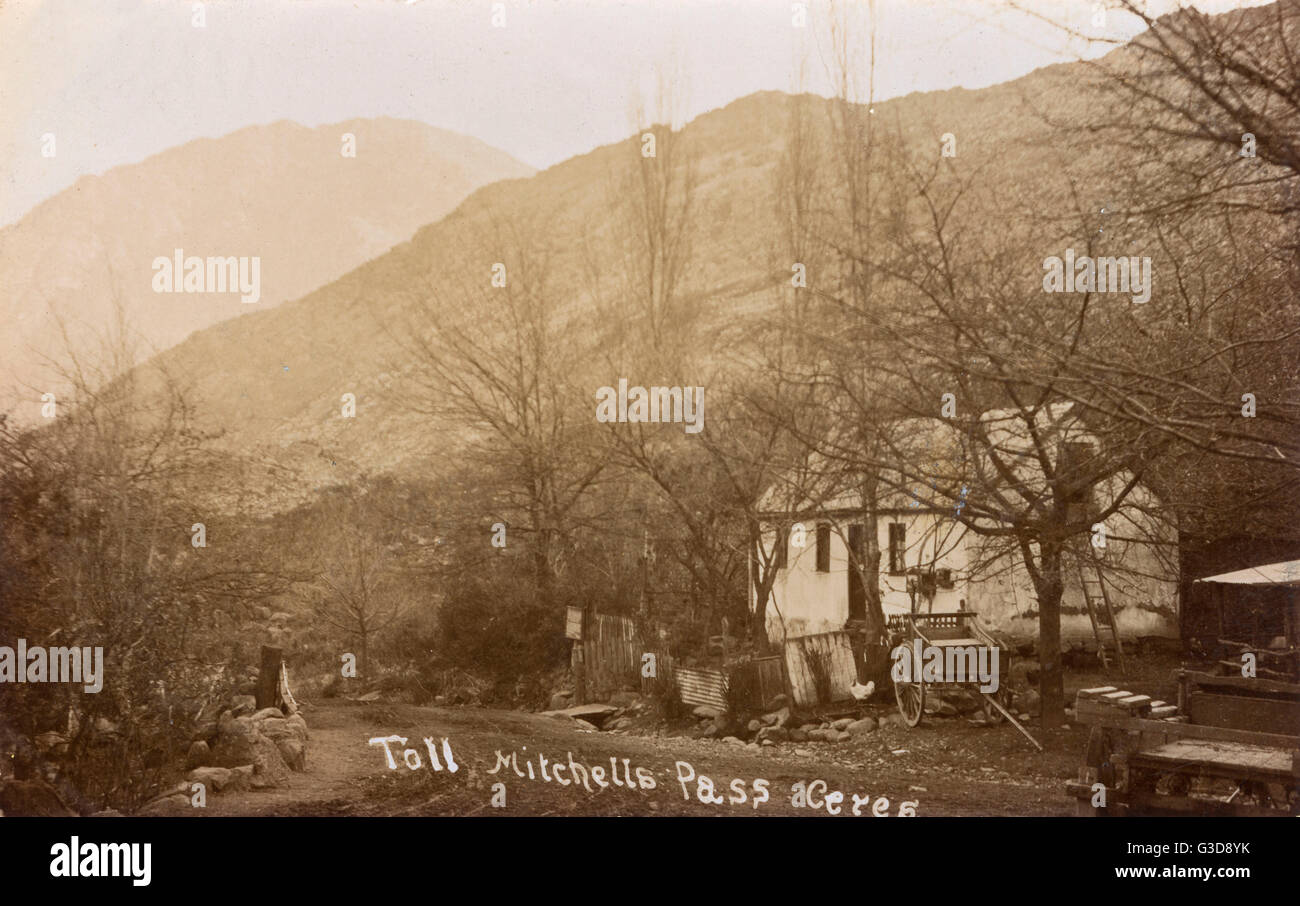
{"points": [[911, 701], [992, 714]]}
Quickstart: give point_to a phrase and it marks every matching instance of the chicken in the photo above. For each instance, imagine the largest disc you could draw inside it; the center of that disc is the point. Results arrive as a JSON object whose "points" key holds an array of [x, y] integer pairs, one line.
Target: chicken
{"points": [[861, 692]]}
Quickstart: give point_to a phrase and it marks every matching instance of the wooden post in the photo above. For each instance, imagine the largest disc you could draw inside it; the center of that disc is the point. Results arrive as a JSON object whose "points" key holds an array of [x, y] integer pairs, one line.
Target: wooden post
{"points": [[268, 676]]}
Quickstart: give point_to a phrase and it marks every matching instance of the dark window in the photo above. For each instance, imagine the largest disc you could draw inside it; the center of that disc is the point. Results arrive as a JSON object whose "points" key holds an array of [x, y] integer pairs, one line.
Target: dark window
{"points": [[823, 548], [897, 548], [782, 545]]}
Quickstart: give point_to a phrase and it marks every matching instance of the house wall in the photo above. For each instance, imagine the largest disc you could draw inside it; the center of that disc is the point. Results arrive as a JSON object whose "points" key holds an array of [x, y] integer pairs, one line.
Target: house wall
{"points": [[1142, 583]]}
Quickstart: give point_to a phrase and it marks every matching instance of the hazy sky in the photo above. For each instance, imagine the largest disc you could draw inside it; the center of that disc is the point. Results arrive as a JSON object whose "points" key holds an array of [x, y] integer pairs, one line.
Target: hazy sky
{"points": [[118, 80]]}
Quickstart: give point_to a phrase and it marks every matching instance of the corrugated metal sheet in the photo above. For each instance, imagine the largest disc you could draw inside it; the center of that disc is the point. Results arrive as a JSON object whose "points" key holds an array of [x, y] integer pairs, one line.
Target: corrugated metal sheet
{"points": [[702, 687]]}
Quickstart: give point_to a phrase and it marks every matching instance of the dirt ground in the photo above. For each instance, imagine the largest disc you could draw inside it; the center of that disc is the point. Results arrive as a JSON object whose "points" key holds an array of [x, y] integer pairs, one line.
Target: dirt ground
{"points": [[947, 766]]}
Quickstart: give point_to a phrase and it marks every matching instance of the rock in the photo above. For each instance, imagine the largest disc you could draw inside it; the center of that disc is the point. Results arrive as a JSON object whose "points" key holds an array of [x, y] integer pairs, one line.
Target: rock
{"points": [[236, 744], [807, 727], [624, 699], [798, 736], [1022, 717], [941, 709], [32, 799], [275, 728], [560, 700], [754, 726], [592, 713], [175, 804], [104, 725], [205, 731], [369, 697], [775, 734], [268, 763], [280, 616], [215, 779], [241, 778], [266, 713], [861, 727], [753, 745], [778, 702], [585, 724], [733, 741], [622, 723], [818, 735], [842, 723], [293, 752], [298, 725], [706, 713], [198, 755], [778, 718], [838, 735], [766, 742], [806, 753], [243, 704]]}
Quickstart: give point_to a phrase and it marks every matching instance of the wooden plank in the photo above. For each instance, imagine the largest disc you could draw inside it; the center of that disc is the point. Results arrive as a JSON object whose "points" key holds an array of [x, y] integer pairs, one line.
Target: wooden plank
{"points": [[1253, 684], [1100, 715], [1243, 713], [573, 623], [1095, 692]]}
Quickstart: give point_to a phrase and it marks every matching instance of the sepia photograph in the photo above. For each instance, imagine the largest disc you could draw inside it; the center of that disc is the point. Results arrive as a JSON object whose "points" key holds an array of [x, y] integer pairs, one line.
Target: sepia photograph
{"points": [[584, 409]]}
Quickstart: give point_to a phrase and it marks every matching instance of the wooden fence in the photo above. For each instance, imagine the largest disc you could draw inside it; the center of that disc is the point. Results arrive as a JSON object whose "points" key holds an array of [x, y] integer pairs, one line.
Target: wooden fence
{"points": [[821, 667]]}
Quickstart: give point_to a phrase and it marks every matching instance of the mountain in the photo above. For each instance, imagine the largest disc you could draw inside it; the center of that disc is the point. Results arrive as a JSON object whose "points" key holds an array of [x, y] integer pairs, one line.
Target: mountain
{"points": [[272, 381], [281, 192]]}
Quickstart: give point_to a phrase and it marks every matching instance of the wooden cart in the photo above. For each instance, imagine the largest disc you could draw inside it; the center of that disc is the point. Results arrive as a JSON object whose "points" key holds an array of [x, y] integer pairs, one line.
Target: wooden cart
{"points": [[1231, 746], [944, 630]]}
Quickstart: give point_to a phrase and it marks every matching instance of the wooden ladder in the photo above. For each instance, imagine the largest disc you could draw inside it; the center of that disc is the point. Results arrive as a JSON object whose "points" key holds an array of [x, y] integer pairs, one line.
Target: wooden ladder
{"points": [[1100, 613]]}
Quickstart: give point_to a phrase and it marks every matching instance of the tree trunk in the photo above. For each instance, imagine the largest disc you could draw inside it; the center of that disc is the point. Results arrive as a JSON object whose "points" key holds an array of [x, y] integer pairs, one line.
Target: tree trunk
{"points": [[1051, 681]]}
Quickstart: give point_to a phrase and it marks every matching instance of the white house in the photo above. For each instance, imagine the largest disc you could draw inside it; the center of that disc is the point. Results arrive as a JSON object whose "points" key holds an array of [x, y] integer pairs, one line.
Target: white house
{"points": [[933, 558]]}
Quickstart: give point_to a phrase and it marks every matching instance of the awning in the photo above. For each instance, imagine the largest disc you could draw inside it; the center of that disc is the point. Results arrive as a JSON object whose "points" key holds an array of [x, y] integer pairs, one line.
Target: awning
{"points": [[1286, 573]]}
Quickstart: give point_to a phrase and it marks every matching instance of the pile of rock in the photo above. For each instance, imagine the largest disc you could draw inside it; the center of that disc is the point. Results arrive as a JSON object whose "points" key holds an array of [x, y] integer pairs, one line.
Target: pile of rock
{"points": [[244, 748], [616, 715], [779, 724]]}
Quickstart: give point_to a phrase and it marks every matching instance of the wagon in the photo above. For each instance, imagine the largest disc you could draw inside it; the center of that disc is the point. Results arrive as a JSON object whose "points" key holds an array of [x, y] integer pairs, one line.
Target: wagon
{"points": [[960, 629], [1230, 746]]}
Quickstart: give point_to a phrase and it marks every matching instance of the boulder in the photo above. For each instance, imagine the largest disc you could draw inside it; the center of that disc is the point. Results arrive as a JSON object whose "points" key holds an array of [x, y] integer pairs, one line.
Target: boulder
{"points": [[732, 740], [893, 719], [175, 804], [293, 752], [266, 713], [798, 736], [861, 727], [298, 725], [818, 735], [560, 700], [241, 778], [215, 779], [243, 704], [269, 768], [842, 723], [775, 734], [198, 755], [585, 724], [706, 712], [32, 799], [754, 726], [275, 728], [236, 744]]}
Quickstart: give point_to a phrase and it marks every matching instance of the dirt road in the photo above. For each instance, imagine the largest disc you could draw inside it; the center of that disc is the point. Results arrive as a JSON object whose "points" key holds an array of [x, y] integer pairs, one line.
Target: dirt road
{"points": [[944, 767]]}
